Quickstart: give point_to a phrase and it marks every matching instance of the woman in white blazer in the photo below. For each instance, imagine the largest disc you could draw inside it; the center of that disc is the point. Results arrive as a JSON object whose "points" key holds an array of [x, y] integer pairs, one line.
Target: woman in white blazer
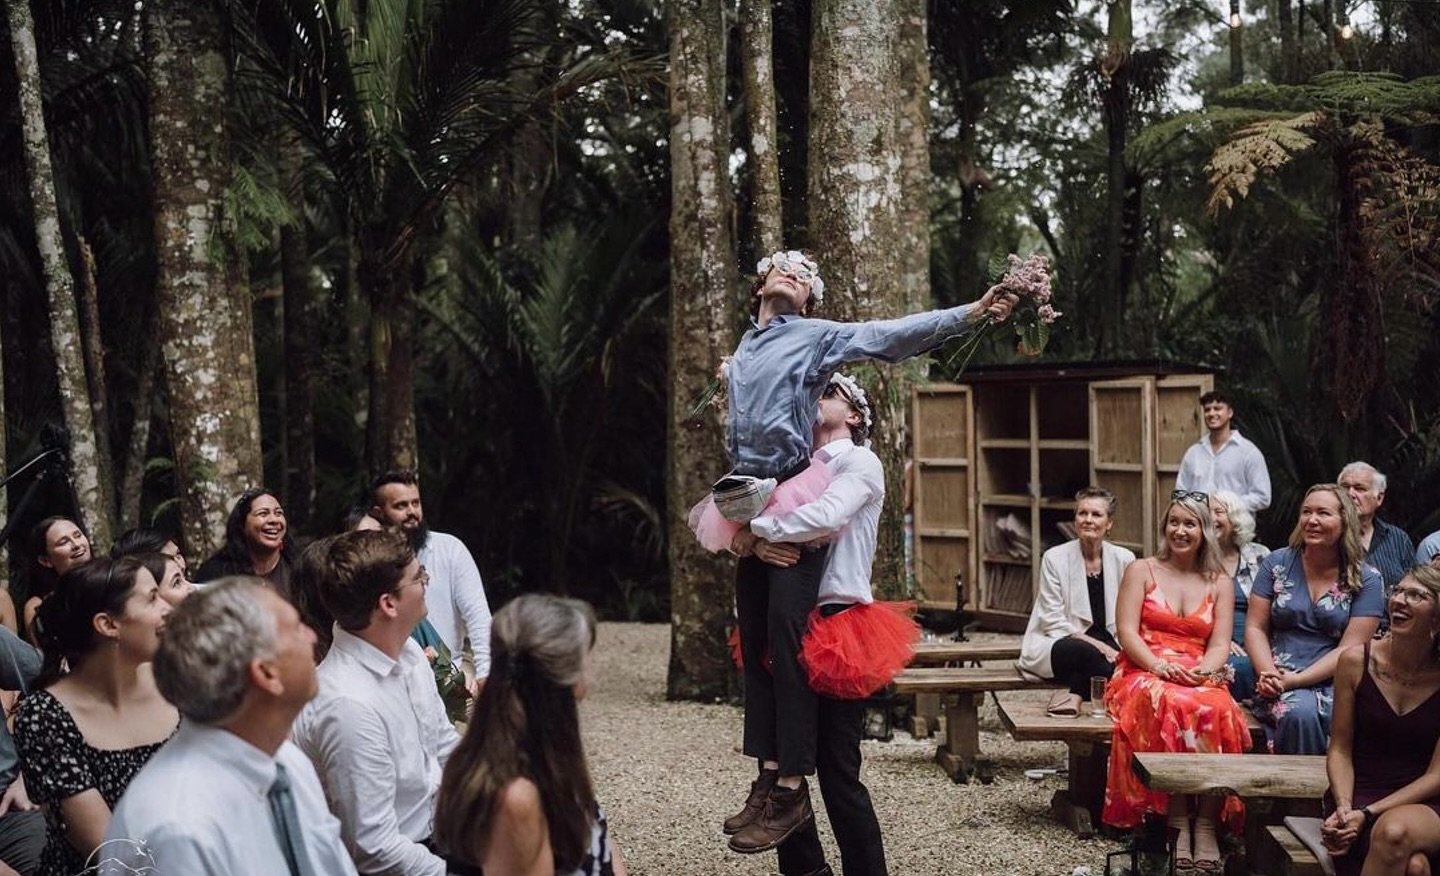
{"points": [[1071, 635]]}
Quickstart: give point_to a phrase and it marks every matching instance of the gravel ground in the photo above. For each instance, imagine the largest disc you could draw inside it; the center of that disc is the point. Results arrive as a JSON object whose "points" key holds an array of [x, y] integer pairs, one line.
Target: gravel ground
{"points": [[668, 774]]}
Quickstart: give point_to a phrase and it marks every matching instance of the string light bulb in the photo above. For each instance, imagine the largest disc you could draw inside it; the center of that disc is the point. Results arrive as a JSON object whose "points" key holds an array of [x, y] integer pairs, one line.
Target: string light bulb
{"points": [[1346, 31], [1234, 19]]}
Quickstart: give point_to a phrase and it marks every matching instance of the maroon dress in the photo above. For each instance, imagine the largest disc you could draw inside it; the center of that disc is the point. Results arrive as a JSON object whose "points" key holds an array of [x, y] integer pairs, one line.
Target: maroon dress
{"points": [[1389, 751]]}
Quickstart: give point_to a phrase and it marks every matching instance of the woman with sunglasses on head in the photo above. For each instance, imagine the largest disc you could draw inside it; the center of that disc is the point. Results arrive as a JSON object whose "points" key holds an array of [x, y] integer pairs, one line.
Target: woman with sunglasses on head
{"points": [[1310, 601], [1173, 617], [1384, 757], [773, 384]]}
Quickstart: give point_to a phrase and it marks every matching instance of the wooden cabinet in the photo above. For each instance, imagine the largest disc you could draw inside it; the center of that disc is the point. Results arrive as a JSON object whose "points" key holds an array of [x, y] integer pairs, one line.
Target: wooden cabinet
{"points": [[999, 459]]}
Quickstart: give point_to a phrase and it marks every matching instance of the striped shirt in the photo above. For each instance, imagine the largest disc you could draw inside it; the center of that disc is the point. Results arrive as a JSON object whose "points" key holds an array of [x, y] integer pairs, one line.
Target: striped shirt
{"points": [[1391, 551]]}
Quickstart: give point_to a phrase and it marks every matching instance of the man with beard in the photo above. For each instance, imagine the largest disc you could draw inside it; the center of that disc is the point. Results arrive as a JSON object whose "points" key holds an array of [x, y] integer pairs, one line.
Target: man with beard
{"points": [[456, 597]]}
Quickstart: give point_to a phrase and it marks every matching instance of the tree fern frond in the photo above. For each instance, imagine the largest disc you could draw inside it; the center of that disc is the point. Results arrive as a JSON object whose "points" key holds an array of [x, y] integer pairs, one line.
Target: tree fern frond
{"points": [[1263, 146]]}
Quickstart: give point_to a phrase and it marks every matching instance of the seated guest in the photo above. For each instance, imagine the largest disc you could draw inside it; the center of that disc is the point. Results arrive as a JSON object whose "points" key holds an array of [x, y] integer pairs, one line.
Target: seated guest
{"points": [[1173, 614], [514, 799], [1428, 549], [148, 541], [1384, 758], [1240, 557], [1309, 601], [85, 733], [1386, 547], [168, 572], [305, 587], [229, 795], [8, 616], [377, 732], [57, 544], [22, 826], [256, 543], [1071, 635]]}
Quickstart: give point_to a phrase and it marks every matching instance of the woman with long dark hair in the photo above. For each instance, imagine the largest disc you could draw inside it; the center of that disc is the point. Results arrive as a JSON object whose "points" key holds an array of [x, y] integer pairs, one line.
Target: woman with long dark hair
{"points": [[257, 542], [56, 544], [84, 734], [516, 797]]}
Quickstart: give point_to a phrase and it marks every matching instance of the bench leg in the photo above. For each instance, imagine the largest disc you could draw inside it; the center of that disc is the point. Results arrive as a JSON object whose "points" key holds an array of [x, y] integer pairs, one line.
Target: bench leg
{"points": [[1260, 814], [1078, 806], [962, 737], [926, 717]]}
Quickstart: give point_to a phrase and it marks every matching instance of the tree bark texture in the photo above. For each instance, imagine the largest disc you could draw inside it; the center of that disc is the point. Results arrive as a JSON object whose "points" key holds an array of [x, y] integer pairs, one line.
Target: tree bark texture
{"points": [[391, 439], [1285, 21], [864, 190], [132, 484], [94, 350], [92, 501], [299, 319], [702, 291], [202, 294], [1237, 44], [1115, 64], [757, 46]]}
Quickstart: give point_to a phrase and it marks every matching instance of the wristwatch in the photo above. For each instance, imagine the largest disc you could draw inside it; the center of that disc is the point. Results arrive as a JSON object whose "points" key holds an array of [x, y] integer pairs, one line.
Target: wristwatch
{"points": [[1368, 815]]}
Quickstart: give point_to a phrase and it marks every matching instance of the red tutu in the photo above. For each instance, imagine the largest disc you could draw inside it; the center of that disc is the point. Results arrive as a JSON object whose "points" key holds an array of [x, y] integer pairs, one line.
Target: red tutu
{"points": [[715, 533], [854, 653]]}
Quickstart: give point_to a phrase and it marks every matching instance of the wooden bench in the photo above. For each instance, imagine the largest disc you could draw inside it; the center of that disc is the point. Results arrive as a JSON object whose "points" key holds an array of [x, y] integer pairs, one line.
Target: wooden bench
{"points": [[1272, 785], [958, 753], [926, 717], [1283, 854], [1078, 804]]}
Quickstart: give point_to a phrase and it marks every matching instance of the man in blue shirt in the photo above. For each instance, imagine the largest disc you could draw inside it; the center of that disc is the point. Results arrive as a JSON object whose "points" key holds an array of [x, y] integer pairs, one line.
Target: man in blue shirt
{"points": [[1387, 547], [774, 383], [1428, 550]]}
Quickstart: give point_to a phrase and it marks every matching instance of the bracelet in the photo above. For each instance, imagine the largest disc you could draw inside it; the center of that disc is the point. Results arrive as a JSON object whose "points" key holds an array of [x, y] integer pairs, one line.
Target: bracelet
{"points": [[1367, 815]]}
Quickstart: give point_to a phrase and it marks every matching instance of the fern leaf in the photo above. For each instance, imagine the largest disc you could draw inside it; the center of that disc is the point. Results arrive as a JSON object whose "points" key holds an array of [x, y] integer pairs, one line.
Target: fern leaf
{"points": [[1264, 146]]}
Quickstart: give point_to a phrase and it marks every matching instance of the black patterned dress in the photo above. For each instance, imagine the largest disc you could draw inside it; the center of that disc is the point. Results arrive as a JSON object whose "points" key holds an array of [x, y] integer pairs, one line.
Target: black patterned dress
{"points": [[58, 764]]}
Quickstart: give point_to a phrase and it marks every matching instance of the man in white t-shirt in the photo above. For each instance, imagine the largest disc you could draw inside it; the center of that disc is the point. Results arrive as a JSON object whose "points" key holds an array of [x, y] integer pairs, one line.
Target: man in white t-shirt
{"points": [[457, 595], [1224, 460]]}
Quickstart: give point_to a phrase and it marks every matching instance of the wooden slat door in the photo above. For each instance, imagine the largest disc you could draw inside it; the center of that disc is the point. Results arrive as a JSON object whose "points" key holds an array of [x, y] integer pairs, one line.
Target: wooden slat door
{"points": [[943, 491], [1178, 425], [1122, 458]]}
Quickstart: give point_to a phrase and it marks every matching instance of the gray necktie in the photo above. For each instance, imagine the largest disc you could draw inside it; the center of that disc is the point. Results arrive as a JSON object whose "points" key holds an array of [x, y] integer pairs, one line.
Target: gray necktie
{"points": [[287, 825]]}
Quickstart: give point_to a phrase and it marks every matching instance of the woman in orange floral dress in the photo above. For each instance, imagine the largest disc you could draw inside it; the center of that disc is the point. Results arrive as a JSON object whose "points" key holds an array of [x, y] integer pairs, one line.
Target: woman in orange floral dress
{"points": [[1173, 618]]}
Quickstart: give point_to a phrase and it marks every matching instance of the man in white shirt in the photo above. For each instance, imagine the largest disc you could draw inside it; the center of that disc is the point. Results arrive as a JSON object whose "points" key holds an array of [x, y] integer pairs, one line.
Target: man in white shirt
{"points": [[228, 795], [457, 595], [377, 732], [848, 512], [1223, 460]]}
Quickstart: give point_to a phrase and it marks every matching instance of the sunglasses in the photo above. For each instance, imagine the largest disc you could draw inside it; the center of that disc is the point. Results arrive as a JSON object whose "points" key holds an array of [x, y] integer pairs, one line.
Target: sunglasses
{"points": [[1194, 495], [797, 269]]}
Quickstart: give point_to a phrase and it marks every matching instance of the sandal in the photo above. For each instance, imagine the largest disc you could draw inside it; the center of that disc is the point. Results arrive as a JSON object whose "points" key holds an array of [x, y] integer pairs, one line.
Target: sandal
{"points": [[1207, 847], [1063, 704]]}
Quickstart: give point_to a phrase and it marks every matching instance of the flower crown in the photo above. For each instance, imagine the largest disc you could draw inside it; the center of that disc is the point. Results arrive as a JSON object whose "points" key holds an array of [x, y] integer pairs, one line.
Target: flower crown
{"points": [[855, 395], [794, 258]]}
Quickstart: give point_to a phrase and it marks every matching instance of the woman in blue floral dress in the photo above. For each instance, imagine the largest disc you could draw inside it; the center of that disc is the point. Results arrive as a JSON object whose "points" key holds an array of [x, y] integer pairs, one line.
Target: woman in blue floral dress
{"points": [[1309, 602]]}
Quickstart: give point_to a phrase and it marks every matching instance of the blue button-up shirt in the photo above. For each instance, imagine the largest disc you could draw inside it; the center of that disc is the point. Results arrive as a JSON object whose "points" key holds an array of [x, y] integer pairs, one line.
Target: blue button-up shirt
{"points": [[779, 372]]}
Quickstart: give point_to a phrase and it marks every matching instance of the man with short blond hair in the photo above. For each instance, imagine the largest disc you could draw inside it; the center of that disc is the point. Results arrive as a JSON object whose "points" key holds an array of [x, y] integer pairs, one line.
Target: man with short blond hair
{"points": [[377, 731]]}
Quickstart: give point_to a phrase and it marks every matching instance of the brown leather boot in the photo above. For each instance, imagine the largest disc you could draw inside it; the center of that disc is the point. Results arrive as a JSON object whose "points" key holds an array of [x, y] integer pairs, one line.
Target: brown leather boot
{"points": [[785, 811], [759, 790]]}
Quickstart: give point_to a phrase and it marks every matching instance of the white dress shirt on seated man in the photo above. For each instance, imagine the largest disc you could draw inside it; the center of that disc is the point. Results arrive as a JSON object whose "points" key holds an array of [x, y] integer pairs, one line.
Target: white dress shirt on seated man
{"points": [[201, 807], [379, 737], [848, 510], [456, 598]]}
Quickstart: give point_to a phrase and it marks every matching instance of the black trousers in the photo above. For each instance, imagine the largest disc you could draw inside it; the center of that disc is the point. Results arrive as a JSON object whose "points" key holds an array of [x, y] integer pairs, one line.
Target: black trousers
{"points": [[780, 708], [847, 802], [1076, 661]]}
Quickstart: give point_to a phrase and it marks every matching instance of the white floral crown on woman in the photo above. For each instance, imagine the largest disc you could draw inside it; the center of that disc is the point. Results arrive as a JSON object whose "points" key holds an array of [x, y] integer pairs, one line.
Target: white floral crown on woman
{"points": [[797, 263], [855, 395]]}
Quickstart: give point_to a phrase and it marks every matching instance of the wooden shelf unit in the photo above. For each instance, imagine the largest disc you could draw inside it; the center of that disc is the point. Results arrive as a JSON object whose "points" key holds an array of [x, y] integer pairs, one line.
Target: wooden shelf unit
{"points": [[1015, 447]]}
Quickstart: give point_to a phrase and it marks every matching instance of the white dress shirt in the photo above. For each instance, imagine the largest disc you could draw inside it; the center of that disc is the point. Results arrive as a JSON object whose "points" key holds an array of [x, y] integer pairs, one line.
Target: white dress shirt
{"points": [[1238, 466], [849, 510], [379, 737], [200, 807], [456, 598]]}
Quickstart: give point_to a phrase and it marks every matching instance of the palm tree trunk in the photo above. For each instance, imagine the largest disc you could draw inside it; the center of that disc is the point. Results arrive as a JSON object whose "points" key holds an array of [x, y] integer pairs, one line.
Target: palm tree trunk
{"points": [[756, 48], [1116, 62], [299, 305], [865, 69], [133, 478], [93, 504], [391, 440], [1285, 21], [1237, 44], [702, 295], [203, 297]]}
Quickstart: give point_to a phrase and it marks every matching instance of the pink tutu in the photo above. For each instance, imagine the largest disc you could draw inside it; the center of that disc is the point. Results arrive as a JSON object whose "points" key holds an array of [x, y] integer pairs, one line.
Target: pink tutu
{"points": [[715, 533]]}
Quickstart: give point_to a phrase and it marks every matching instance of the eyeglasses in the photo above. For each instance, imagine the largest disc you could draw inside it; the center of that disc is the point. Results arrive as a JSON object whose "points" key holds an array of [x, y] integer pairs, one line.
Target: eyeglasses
{"points": [[797, 269], [1411, 595], [1195, 495], [835, 390], [422, 578]]}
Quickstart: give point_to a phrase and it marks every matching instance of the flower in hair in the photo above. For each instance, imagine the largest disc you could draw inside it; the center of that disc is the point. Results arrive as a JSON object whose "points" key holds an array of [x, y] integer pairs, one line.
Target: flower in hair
{"points": [[798, 265], [855, 395]]}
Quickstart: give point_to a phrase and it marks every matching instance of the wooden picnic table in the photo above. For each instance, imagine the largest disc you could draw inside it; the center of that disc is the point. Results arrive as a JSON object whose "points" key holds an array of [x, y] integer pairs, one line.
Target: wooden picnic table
{"points": [[1087, 738], [938, 653], [969, 685]]}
